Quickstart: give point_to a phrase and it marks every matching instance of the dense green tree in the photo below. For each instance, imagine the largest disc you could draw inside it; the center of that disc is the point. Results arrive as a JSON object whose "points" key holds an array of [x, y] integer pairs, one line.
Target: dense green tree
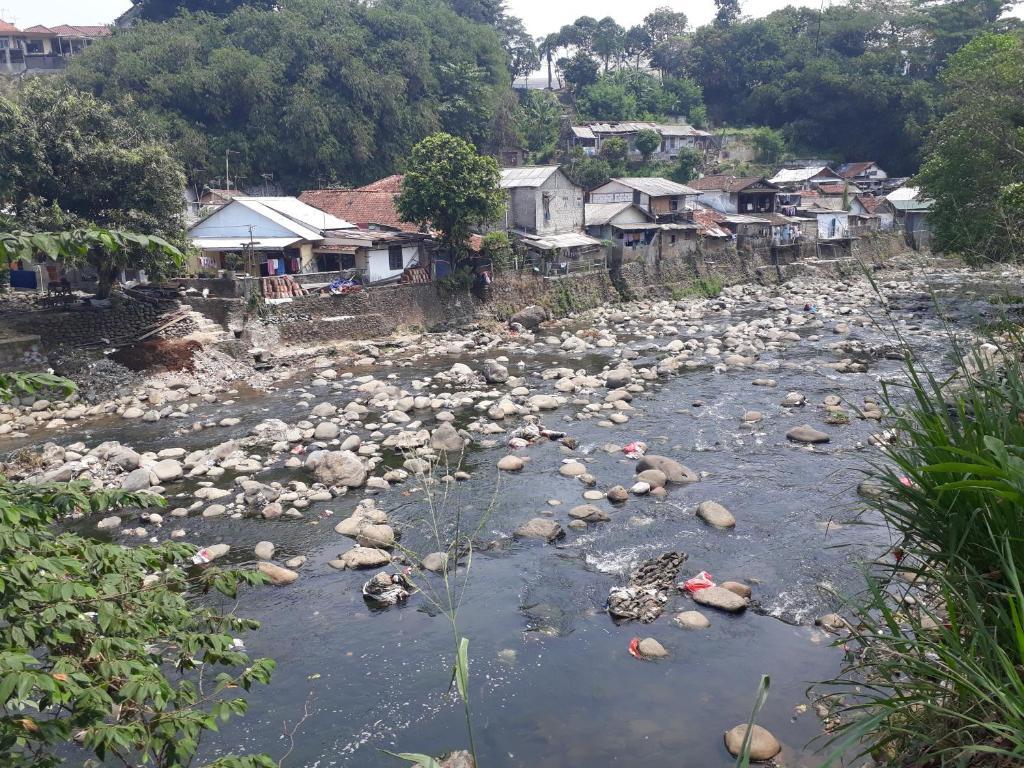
{"points": [[687, 166], [663, 24], [636, 44], [579, 71], [647, 143], [608, 99], [975, 159], [770, 145], [587, 171], [481, 11], [726, 12], [541, 124], [608, 41], [615, 152], [161, 10], [317, 90], [523, 57], [451, 188], [89, 164]]}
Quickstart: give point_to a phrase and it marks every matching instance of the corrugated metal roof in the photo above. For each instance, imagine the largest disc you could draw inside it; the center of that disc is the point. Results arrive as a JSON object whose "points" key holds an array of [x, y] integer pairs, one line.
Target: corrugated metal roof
{"points": [[909, 199], [656, 186], [298, 212], [582, 132], [526, 175], [554, 242], [726, 183], [602, 213], [239, 243], [850, 170], [737, 218], [632, 126], [795, 175]]}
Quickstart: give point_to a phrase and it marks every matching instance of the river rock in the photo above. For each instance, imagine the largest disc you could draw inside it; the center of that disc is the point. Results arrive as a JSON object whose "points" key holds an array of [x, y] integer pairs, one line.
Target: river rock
{"points": [[362, 557], [168, 469], [460, 759], [326, 430], [589, 513], [324, 410], [511, 463], [763, 746], [215, 510], [380, 536], [572, 469], [651, 649], [794, 400], [340, 468], [495, 372], [720, 598], [435, 562], [530, 317], [691, 620], [109, 523], [446, 438], [805, 433], [713, 513], [618, 494], [736, 587], [137, 480], [277, 574], [655, 478], [540, 528], [214, 551], [674, 471], [264, 550], [618, 378]]}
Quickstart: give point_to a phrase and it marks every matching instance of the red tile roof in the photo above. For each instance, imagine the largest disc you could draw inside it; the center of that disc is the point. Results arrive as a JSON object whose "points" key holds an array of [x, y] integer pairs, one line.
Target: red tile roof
{"points": [[39, 29], [371, 205], [835, 189], [709, 222], [870, 202], [850, 170], [6, 26], [387, 184], [68, 30]]}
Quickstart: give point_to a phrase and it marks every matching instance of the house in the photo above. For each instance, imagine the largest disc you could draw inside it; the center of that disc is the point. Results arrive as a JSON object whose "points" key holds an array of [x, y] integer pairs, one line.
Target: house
{"points": [[377, 256], [632, 233], [674, 137], [43, 49], [666, 199], [713, 235], [608, 221], [866, 175], [831, 225], [734, 194], [843, 190], [795, 179], [262, 236], [371, 207], [911, 212], [876, 206]]}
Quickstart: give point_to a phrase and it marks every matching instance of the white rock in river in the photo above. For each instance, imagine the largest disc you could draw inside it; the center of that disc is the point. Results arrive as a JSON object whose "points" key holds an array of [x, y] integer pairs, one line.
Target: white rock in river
{"points": [[805, 433], [720, 598], [340, 468], [763, 745], [540, 528], [109, 523], [691, 620], [168, 469], [277, 575], [264, 550], [510, 463], [713, 513], [362, 557]]}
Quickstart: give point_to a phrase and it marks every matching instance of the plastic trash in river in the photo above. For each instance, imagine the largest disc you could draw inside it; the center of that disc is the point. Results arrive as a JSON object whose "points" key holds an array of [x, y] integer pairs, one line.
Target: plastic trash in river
{"points": [[635, 449], [701, 581], [634, 648], [202, 557], [388, 589]]}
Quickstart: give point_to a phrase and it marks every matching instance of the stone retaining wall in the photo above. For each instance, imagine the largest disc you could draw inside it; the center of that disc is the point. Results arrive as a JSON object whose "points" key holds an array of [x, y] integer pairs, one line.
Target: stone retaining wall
{"points": [[85, 326]]}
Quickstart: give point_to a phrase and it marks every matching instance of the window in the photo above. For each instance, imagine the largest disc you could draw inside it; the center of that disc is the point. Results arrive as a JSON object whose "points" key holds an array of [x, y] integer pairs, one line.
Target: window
{"points": [[5, 43], [33, 46], [672, 240], [636, 197], [395, 258], [673, 204]]}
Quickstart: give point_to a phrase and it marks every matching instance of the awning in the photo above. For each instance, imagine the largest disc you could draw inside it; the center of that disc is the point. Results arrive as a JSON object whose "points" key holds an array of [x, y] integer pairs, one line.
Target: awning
{"points": [[635, 227], [239, 244]]}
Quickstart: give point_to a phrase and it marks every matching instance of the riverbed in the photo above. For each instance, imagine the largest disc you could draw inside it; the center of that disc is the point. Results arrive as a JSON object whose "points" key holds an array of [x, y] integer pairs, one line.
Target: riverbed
{"points": [[552, 682]]}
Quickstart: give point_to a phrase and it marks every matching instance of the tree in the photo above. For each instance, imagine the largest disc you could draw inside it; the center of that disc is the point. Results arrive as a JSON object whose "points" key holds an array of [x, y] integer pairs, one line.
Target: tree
{"points": [[687, 165], [547, 47], [161, 10], [770, 145], [647, 142], [451, 188], [975, 157], [312, 92], [608, 100], [90, 631], [587, 171], [608, 40], [91, 165], [541, 124], [636, 44], [664, 24], [727, 11], [497, 248], [579, 71], [615, 152], [523, 57]]}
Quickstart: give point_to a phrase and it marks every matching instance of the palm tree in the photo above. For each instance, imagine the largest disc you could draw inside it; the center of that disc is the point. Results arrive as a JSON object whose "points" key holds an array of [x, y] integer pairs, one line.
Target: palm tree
{"points": [[547, 47]]}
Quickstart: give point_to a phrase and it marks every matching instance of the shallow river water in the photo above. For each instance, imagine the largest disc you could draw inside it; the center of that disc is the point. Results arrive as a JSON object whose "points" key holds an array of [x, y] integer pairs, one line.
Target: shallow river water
{"points": [[551, 681]]}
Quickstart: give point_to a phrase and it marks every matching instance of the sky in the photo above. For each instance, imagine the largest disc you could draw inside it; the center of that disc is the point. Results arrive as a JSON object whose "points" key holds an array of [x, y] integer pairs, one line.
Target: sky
{"points": [[541, 16]]}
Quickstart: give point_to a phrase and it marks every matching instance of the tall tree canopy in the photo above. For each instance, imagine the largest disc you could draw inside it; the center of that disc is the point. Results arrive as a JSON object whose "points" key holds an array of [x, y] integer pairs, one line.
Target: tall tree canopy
{"points": [[314, 91], [975, 164], [161, 10], [73, 161]]}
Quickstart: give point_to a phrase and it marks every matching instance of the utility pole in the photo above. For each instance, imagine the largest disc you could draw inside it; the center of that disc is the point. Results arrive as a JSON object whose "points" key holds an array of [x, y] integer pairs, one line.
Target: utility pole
{"points": [[227, 167]]}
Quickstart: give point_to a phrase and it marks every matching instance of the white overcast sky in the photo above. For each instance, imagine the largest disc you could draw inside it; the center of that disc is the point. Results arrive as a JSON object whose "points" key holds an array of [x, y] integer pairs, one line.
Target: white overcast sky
{"points": [[541, 16]]}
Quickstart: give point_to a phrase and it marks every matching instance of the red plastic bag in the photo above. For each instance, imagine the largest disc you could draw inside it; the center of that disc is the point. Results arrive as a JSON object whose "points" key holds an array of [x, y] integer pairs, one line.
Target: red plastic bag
{"points": [[634, 648], [635, 450], [701, 581]]}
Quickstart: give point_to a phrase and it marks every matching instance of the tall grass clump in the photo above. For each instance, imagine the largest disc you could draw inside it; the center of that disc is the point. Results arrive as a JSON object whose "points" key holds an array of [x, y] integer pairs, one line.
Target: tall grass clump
{"points": [[935, 666]]}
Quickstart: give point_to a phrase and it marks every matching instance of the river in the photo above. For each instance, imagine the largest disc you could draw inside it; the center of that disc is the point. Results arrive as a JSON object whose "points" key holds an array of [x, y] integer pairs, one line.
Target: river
{"points": [[552, 682]]}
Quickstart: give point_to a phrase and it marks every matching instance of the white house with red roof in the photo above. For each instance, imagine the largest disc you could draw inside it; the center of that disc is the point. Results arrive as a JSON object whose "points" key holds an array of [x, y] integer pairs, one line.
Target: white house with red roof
{"points": [[41, 49]]}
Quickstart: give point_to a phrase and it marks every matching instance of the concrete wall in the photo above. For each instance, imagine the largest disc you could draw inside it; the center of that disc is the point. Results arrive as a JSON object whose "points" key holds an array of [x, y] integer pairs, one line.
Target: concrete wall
{"points": [[377, 262]]}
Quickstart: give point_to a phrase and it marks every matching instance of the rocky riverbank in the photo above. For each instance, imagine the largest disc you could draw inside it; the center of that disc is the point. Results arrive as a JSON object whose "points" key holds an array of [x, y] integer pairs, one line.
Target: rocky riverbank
{"points": [[594, 428]]}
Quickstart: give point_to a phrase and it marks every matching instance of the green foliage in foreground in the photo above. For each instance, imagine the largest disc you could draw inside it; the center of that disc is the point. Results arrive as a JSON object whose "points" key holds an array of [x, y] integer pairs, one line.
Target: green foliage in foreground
{"points": [[102, 644], [938, 681], [703, 287]]}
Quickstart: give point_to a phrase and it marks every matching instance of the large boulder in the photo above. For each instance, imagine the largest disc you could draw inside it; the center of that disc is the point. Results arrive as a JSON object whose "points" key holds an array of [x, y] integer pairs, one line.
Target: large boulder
{"points": [[540, 528], [618, 378], [589, 513], [446, 438], [530, 317], [721, 598], [167, 470], [495, 372], [277, 574], [340, 468], [362, 557], [674, 471], [763, 746], [714, 514], [137, 480], [805, 433]]}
